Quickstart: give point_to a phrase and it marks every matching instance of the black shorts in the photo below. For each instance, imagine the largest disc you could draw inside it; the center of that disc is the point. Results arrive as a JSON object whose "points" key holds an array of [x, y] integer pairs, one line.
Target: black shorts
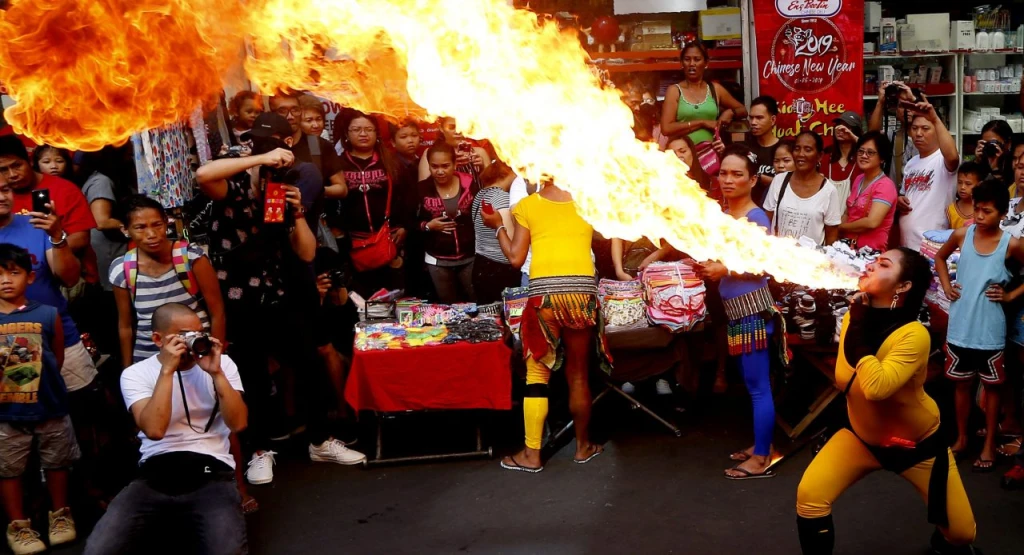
{"points": [[964, 364]]}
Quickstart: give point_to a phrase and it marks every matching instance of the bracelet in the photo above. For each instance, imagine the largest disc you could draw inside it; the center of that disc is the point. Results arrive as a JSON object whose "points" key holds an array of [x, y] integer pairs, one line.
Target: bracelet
{"points": [[497, 231], [63, 240]]}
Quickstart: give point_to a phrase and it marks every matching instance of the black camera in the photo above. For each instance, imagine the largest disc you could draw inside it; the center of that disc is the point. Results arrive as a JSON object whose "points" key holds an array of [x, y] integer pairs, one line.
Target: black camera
{"points": [[198, 342], [338, 278], [990, 149]]}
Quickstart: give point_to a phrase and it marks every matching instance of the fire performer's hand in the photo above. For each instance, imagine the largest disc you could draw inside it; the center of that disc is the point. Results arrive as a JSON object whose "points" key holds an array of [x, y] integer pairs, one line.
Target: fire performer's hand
{"points": [[713, 271]]}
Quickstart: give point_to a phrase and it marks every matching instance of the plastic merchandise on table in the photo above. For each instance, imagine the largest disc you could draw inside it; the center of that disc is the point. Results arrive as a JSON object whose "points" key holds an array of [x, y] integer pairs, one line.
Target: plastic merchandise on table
{"points": [[675, 295], [479, 330], [622, 304], [515, 302]]}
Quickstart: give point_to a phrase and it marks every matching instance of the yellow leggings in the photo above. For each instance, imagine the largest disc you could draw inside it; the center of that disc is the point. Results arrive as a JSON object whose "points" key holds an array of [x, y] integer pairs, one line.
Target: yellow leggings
{"points": [[845, 460], [535, 408]]}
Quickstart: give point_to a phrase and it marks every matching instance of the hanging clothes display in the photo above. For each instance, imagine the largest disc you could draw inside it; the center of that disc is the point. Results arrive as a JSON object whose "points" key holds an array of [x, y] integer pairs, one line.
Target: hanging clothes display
{"points": [[163, 165], [202, 139]]}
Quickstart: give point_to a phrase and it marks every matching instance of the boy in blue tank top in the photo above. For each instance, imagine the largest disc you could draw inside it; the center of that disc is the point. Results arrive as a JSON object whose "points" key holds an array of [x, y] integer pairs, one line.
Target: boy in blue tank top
{"points": [[977, 326], [33, 404]]}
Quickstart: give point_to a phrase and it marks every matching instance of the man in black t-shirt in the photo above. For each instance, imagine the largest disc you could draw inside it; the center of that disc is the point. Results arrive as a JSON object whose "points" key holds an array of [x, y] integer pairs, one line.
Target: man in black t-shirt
{"points": [[305, 115]]}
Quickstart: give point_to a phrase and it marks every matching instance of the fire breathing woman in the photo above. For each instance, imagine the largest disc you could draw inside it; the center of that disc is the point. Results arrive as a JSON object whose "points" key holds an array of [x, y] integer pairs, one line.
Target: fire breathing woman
{"points": [[561, 323], [751, 314], [882, 366]]}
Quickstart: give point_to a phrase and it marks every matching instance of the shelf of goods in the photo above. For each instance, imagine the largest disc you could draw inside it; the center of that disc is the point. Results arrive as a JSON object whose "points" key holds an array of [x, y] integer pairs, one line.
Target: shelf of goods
{"points": [[955, 65], [664, 60]]}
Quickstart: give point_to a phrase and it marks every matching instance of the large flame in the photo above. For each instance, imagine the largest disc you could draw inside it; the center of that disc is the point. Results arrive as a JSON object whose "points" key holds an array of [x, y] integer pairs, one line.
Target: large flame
{"points": [[526, 86], [89, 73]]}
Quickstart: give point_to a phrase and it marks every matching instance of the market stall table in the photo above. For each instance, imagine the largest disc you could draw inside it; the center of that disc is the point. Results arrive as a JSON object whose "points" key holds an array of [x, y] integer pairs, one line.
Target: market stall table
{"points": [[460, 376]]}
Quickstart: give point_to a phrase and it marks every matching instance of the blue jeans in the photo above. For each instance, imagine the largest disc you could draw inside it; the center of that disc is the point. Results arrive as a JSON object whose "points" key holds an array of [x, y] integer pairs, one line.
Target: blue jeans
{"points": [[208, 520]]}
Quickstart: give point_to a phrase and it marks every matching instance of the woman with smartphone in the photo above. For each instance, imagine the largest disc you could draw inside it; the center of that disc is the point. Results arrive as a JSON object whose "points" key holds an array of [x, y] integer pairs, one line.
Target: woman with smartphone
{"points": [[444, 211], [470, 159]]}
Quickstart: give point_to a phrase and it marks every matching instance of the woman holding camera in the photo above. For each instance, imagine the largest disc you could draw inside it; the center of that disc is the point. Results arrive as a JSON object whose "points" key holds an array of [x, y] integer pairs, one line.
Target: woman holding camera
{"points": [[994, 150], [445, 214], [894, 425]]}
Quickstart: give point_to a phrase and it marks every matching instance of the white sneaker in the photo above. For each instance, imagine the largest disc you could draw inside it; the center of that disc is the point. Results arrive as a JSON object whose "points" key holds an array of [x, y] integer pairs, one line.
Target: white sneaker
{"points": [[62, 527], [261, 468], [335, 451], [628, 388], [663, 387], [22, 539]]}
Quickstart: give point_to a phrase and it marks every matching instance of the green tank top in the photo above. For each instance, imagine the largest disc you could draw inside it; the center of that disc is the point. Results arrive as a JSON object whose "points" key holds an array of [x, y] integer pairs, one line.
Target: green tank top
{"points": [[706, 110]]}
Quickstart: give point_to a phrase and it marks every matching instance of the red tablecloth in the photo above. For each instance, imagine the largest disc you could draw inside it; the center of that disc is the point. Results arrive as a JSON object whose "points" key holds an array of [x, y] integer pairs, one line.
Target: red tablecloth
{"points": [[458, 376]]}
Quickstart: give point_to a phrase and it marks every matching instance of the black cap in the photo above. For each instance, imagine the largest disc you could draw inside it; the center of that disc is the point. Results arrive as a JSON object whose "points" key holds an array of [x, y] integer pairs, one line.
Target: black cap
{"points": [[268, 124], [852, 122]]}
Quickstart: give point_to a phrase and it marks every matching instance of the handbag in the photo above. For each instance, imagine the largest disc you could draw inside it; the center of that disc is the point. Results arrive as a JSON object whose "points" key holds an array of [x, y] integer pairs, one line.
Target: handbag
{"points": [[374, 249], [707, 157]]}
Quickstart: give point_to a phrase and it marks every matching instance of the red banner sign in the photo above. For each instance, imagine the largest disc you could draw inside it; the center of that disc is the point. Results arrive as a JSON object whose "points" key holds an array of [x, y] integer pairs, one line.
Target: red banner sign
{"points": [[810, 58]]}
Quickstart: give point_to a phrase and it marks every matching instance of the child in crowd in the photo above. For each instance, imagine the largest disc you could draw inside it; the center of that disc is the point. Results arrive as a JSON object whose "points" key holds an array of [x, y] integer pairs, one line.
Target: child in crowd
{"points": [[784, 157], [53, 161], [976, 336], [33, 405], [405, 138], [960, 212], [243, 109]]}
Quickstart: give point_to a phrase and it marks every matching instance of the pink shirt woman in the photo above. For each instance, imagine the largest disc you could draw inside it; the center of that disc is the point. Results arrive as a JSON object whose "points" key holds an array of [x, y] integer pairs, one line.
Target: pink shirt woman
{"points": [[871, 206]]}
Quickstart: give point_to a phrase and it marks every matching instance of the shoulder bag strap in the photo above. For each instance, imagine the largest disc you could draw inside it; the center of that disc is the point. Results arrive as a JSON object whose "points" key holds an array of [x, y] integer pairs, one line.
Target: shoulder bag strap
{"points": [[778, 202], [314, 152], [714, 96]]}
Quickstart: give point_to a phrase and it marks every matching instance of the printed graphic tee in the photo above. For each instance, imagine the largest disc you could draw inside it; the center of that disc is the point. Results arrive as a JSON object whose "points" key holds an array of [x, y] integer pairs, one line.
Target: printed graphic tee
{"points": [[930, 188], [32, 389]]}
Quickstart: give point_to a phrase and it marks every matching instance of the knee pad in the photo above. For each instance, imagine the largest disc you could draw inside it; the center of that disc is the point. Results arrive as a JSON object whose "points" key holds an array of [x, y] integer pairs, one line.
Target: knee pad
{"points": [[941, 546], [817, 535], [536, 390]]}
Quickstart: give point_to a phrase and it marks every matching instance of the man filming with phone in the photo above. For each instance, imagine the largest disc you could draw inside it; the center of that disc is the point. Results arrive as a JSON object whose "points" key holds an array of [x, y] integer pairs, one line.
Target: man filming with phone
{"points": [[186, 400], [254, 239], [929, 178]]}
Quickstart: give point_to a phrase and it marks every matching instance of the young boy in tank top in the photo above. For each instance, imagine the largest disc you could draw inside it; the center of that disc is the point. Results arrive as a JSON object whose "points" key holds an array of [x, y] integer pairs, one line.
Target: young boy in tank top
{"points": [[977, 326]]}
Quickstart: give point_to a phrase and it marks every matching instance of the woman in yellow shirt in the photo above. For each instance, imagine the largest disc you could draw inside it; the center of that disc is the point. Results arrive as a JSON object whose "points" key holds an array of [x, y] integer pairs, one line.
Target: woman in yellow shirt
{"points": [[561, 322], [882, 366]]}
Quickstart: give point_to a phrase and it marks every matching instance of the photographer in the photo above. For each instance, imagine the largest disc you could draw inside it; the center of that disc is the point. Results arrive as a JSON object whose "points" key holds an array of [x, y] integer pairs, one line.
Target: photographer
{"points": [[263, 307], [334, 332], [186, 400], [929, 179], [994, 150], [890, 95]]}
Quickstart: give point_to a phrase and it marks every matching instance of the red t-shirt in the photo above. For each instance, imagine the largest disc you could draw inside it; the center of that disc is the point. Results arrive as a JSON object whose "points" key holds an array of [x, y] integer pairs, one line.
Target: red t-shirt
{"points": [[66, 197]]}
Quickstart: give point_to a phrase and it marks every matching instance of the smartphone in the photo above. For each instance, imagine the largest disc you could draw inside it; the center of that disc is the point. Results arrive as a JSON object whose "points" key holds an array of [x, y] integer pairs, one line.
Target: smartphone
{"points": [[40, 198], [486, 207], [464, 147], [274, 203]]}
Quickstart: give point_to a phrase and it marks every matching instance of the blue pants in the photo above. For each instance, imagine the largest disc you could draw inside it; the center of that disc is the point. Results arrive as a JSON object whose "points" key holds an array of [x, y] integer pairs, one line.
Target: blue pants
{"points": [[756, 368], [208, 520]]}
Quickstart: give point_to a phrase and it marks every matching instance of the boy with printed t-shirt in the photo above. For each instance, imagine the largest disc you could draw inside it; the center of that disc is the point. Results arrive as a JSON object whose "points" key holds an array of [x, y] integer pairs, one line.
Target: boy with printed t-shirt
{"points": [[33, 404]]}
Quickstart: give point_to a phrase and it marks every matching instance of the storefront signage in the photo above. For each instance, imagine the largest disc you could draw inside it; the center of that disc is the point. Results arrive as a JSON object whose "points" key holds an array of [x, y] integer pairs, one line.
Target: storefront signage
{"points": [[810, 59]]}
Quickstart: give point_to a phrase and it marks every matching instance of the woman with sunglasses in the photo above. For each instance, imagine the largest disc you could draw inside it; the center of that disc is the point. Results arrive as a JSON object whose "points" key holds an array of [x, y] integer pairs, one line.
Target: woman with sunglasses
{"points": [[871, 205]]}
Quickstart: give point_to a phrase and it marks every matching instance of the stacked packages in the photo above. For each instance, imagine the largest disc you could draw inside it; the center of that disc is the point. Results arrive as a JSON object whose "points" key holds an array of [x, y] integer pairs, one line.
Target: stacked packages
{"points": [[675, 295], [622, 304]]}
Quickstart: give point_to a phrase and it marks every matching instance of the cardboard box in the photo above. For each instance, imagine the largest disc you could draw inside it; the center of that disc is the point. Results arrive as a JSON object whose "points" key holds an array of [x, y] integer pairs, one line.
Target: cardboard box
{"points": [[872, 16], [887, 36], [886, 74], [653, 35], [907, 37], [961, 35], [721, 23], [931, 31]]}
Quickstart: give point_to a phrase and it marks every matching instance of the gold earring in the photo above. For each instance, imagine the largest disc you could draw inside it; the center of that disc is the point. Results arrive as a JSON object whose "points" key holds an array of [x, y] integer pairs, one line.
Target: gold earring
{"points": [[895, 301]]}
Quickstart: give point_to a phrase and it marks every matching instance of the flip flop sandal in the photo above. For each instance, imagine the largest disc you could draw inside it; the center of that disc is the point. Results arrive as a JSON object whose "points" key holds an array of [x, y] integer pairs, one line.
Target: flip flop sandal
{"points": [[982, 432], [980, 467], [518, 467], [739, 456], [1010, 448], [597, 452], [748, 475], [250, 506]]}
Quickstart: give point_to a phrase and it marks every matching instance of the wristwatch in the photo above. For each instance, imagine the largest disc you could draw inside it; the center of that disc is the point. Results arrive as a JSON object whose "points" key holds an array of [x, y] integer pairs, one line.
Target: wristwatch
{"points": [[63, 240]]}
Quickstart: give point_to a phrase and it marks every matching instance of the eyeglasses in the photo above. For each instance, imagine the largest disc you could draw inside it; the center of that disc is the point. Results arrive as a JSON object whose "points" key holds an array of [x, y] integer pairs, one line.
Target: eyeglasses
{"points": [[285, 111], [867, 153], [362, 130]]}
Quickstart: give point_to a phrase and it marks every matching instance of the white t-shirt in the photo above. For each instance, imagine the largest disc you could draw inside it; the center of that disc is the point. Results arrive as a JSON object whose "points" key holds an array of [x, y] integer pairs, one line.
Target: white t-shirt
{"points": [[803, 217], [930, 187], [138, 382]]}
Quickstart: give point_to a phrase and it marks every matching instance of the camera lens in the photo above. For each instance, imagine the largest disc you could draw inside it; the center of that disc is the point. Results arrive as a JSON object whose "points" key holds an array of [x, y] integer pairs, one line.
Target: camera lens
{"points": [[199, 344]]}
